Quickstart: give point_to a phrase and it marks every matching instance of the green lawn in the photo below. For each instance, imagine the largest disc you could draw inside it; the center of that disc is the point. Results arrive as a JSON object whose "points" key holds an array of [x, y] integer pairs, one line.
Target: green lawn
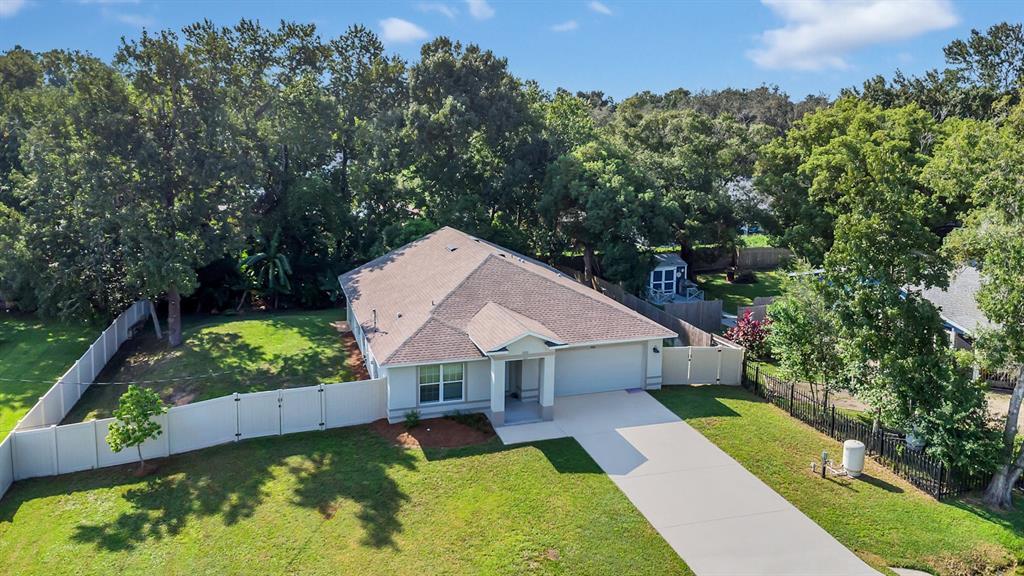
{"points": [[880, 517], [754, 240], [716, 287], [31, 349], [221, 355], [337, 502]]}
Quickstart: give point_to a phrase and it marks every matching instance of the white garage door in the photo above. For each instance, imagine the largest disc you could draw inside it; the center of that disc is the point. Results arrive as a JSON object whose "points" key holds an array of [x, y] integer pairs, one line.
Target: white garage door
{"points": [[599, 369]]}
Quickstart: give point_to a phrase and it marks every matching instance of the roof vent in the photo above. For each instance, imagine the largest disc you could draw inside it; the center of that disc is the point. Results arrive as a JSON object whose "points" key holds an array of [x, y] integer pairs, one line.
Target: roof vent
{"points": [[452, 247]]}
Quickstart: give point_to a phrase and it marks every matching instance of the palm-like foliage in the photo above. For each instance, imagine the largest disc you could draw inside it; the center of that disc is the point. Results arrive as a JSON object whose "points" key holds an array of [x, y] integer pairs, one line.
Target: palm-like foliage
{"points": [[270, 269]]}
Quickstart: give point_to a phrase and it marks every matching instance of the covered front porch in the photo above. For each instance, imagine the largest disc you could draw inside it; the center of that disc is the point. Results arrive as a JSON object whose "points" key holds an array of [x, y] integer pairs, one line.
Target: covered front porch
{"points": [[522, 388]]}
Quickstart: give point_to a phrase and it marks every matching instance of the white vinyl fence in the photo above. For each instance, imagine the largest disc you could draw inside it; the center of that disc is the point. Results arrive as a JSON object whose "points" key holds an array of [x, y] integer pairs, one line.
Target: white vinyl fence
{"points": [[53, 406], [73, 447], [701, 365]]}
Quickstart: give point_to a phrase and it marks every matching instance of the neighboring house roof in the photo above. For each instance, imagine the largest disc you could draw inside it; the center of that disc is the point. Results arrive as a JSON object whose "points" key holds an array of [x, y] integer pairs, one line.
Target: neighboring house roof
{"points": [[958, 304], [668, 260], [450, 296]]}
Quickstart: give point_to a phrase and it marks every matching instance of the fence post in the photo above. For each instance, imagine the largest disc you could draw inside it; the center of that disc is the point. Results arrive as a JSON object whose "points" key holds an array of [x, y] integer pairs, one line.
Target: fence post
{"points": [[757, 379], [791, 389], [718, 375], [238, 432], [323, 409], [942, 479], [832, 427]]}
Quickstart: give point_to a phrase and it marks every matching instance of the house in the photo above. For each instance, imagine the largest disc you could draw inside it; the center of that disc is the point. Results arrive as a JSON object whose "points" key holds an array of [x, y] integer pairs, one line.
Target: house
{"points": [[958, 306], [668, 281], [457, 323]]}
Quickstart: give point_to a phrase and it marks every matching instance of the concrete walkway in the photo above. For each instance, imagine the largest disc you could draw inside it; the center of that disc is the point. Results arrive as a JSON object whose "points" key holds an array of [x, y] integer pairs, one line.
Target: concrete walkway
{"points": [[721, 519]]}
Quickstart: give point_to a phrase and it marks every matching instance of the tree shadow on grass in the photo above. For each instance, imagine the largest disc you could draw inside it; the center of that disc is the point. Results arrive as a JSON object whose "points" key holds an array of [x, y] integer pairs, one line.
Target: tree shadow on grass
{"points": [[230, 483], [1008, 519]]}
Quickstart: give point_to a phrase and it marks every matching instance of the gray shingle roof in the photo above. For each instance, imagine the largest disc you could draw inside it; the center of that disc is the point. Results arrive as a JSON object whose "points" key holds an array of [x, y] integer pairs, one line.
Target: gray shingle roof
{"points": [[958, 304], [430, 295]]}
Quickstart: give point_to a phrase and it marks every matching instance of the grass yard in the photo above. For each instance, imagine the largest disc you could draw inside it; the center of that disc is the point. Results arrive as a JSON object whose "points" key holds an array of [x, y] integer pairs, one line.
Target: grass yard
{"points": [[35, 350], [716, 287], [754, 240], [337, 502], [880, 517], [221, 355]]}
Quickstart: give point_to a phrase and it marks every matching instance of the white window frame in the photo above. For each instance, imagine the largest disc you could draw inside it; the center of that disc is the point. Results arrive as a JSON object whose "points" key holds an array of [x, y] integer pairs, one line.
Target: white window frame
{"points": [[440, 385], [667, 283]]}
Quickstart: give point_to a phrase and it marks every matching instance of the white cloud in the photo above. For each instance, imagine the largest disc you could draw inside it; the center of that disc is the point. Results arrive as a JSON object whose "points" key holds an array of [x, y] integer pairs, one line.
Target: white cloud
{"points": [[442, 9], [819, 34], [480, 9], [137, 20], [9, 8], [600, 8], [398, 30], [567, 26]]}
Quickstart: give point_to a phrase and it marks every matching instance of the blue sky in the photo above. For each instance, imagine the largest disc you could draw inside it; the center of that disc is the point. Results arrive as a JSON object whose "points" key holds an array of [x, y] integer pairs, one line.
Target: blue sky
{"points": [[804, 46]]}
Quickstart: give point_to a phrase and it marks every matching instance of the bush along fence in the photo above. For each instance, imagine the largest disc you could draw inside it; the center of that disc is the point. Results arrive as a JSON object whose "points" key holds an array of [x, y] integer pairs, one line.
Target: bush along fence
{"points": [[889, 447], [83, 446]]}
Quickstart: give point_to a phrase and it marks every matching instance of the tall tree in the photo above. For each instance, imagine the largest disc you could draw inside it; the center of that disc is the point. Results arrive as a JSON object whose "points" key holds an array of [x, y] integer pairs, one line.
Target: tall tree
{"points": [[982, 73], [474, 138], [986, 162], [598, 201], [892, 344], [194, 181], [63, 249]]}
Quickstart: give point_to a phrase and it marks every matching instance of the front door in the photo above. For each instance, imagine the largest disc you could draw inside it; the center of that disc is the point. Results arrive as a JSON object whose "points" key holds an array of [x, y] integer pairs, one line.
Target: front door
{"points": [[514, 378]]}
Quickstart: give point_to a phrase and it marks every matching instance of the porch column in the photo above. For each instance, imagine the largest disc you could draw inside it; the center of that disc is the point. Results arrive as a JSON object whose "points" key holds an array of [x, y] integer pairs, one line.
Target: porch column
{"points": [[547, 388], [497, 392]]}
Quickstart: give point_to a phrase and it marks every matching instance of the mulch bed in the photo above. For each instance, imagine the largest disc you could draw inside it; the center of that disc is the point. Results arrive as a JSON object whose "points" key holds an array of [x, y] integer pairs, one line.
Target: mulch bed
{"points": [[433, 433], [353, 357]]}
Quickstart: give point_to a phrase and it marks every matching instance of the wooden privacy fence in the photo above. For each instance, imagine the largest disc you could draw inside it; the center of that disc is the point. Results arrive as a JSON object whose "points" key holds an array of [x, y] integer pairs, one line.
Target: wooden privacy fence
{"points": [[888, 446], [703, 314], [53, 406], [762, 258], [701, 365], [83, 446], [689, 334]]}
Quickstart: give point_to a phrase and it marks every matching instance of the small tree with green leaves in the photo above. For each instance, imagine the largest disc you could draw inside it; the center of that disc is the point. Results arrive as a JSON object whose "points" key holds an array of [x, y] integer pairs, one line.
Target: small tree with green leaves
{"points": [[805, 334], [135, 423]]}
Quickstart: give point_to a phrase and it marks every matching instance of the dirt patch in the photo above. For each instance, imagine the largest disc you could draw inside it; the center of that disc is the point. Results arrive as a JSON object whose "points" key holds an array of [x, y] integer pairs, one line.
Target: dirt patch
{"points": [[150, 468], [434, 433], [353, 357]]}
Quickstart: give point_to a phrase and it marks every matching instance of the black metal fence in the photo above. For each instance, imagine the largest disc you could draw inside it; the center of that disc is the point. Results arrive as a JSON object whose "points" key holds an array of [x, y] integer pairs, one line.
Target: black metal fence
{"points": [[889, 447]]}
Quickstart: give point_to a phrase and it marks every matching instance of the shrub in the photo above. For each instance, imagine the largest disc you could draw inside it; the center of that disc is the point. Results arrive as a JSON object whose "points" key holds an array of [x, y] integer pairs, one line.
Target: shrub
{"points": [[751, 334], [474, 420], [745, 277], [412, 419]]}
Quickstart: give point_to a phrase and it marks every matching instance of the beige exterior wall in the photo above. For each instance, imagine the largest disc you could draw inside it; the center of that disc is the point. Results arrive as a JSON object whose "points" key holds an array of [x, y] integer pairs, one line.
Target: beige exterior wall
{"points": [[403, 391]]}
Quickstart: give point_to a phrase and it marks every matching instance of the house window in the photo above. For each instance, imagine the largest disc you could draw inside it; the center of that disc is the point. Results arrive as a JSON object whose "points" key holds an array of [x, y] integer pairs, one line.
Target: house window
{"points": [[441, 383], [663, 281]]}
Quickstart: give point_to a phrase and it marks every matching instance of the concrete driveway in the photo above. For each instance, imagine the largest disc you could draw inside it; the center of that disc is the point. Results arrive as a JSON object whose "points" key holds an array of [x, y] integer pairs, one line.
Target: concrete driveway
{"points": [[721, 519]]}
